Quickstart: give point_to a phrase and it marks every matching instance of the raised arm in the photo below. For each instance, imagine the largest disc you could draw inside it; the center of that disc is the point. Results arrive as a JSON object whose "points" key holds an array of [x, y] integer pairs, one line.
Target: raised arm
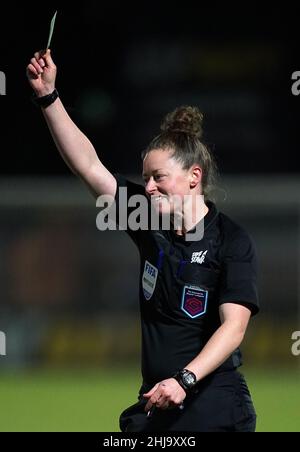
{"points": [[75, 148]]}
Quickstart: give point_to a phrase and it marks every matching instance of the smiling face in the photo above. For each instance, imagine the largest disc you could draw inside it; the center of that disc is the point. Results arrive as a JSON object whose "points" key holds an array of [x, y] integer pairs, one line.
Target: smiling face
{"points": [[166, 181]]}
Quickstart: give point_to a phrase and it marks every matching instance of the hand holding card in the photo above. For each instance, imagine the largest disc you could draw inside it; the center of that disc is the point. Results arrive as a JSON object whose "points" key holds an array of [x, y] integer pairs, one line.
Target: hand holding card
{"points": [[41, 71]]}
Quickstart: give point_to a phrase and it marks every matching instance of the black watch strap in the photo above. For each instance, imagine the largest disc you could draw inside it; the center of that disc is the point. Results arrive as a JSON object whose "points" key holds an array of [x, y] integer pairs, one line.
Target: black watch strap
{"points": [[179, 377], [45, 101]]}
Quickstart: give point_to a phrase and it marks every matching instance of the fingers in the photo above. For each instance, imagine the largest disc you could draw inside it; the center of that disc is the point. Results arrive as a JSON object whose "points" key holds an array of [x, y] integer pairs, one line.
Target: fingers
{"points": [[152, 402], [41, 54], [31, 71], [162, 402], [164, 395], [41, 60], [46, 56], [148, 406], [152, 391], [168, 404], [38, 65]]}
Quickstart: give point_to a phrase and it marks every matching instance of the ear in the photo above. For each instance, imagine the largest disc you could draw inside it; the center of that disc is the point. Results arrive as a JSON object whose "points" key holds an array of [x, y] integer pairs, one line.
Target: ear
{"points": [[195, 176]]}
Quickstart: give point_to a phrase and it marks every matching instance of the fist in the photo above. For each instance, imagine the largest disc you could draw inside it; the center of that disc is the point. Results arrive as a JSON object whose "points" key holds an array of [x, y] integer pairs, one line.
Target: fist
{"points": [[166, 394], [41, 73]]}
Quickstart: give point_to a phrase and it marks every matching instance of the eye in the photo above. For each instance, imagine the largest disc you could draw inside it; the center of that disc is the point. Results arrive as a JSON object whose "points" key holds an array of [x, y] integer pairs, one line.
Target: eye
{"points": [[158, 177]]}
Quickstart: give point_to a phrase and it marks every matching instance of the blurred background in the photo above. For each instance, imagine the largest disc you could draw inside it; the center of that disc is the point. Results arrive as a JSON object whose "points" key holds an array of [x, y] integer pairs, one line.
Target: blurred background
{"points": [[69, 293]]}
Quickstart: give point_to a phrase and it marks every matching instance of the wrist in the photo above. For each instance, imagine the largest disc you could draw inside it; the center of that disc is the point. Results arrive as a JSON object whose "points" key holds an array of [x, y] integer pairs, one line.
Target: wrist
{"points": [[44, 91], [186, 379], [45, 100]]}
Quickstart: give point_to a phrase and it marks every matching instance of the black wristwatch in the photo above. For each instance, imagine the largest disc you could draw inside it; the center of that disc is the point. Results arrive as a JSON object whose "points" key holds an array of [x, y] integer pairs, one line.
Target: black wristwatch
{"points": [[45, 101], [186, 379]]}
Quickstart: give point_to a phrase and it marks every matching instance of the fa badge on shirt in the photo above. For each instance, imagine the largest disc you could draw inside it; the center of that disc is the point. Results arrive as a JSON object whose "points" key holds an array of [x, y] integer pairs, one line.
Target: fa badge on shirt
{"points": [[149, 280], [194, 301]]}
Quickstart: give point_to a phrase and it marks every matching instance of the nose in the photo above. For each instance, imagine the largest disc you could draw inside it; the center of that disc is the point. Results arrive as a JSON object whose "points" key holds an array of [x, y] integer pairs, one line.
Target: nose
{"points": [[150, 186]]}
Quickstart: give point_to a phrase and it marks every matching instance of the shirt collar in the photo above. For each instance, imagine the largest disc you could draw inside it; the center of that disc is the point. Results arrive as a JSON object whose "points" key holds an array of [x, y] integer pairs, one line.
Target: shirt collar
{"points": [[208, 219]]}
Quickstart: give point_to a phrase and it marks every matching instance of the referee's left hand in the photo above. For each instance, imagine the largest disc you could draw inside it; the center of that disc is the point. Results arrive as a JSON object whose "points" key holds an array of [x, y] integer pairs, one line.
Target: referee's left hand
{"points": [[166, 394]]}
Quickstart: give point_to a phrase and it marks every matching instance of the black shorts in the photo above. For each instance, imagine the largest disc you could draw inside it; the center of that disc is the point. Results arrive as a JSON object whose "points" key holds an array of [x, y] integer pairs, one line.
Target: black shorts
{"points": [[222, 403]]}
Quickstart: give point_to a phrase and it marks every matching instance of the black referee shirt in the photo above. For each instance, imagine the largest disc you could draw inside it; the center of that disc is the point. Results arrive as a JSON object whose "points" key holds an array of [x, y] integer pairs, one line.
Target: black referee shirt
{"points": [[182, 285]]}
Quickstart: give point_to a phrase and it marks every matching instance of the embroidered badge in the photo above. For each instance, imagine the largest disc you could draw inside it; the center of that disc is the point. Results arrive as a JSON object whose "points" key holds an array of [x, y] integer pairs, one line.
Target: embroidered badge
{"points": [[149, 279], [194, 301]]}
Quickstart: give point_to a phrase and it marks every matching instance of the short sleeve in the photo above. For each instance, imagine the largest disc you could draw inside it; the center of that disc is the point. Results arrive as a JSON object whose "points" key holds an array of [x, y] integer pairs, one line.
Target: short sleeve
{"points": [[239, 272]]}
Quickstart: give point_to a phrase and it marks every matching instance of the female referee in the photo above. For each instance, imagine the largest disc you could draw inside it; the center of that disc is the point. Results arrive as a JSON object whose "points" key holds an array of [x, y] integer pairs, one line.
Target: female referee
{"points": [[196, 296]]}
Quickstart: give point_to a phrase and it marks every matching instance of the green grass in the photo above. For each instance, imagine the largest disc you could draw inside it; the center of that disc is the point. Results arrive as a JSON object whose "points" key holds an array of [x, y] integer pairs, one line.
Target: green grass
{"points": [[64, 401], [92, 401], [276, 395]]}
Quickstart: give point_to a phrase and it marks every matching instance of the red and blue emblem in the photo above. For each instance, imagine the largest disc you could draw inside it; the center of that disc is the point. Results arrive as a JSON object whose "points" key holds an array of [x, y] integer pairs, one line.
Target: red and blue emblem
{"points": [[194, 301]]}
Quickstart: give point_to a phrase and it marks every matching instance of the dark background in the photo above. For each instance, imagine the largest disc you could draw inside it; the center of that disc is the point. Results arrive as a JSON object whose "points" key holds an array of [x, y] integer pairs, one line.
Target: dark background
{"points": [[123, 66]]}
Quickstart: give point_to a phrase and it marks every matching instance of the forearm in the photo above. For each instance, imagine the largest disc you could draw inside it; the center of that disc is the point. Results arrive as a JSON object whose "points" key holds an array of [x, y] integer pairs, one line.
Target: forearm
{"points": [[73, 145], [220, 346]]}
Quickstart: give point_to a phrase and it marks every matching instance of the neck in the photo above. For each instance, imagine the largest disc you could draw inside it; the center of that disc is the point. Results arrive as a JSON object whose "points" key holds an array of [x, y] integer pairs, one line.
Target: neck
{"points": [[194, 210]]}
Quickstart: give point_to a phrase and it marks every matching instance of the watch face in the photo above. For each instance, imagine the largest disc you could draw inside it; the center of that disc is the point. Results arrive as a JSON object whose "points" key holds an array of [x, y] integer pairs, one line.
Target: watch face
{"points": [[189, 379]]}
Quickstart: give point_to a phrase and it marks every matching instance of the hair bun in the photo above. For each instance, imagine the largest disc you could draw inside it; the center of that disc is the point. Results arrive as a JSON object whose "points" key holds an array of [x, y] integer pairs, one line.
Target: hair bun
{"points": [[184, 119]]}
